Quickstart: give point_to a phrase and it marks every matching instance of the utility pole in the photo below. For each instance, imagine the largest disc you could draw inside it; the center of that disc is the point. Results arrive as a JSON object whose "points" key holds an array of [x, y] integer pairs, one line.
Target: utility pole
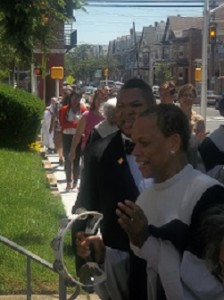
{"points": [[33, 81], [212, 45], [136, 50], [206, 16], [204, 60]]}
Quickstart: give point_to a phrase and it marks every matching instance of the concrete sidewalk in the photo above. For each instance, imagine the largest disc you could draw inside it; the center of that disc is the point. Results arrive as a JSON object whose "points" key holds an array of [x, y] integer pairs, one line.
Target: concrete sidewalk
{"points": [[68, 198]]}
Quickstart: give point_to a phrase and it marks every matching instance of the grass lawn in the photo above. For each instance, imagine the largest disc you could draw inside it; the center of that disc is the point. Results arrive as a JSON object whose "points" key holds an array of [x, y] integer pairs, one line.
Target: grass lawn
{"points": [[29, 216]]}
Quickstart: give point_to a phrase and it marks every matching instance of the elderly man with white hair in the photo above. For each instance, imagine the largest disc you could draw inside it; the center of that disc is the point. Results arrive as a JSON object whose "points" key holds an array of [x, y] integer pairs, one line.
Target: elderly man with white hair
{"points": [[108, 125]]}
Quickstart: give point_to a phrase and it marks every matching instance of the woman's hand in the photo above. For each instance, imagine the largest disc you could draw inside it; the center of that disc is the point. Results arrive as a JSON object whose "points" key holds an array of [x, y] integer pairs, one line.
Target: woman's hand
{"points": [[84, 244], [133, 221], [71, 155]]}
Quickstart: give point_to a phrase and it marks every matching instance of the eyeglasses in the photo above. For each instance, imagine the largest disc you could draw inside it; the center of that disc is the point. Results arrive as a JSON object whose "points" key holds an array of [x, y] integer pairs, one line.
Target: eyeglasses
{"points": [[188, 96]]}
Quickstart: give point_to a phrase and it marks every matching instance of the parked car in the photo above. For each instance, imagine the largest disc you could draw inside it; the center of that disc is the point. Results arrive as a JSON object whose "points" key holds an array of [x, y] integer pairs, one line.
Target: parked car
{"points": [[118, 84], [113, 85], [89, 89], [108, 82], [217, 101], [212, 98], [88, 92]]}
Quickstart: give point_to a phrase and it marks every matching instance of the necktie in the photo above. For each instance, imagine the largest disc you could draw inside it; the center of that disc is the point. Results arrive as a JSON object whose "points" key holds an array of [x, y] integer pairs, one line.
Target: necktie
{"points": [[128, 147]]}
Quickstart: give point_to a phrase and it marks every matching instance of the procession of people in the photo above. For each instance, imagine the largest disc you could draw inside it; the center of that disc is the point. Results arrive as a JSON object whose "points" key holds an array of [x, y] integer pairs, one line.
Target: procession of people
{"points": [[162, 234]]}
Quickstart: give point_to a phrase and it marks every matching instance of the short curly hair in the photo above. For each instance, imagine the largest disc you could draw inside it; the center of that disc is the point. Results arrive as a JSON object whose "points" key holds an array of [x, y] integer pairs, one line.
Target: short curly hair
{"points": [[171, 120], [137, 83]]}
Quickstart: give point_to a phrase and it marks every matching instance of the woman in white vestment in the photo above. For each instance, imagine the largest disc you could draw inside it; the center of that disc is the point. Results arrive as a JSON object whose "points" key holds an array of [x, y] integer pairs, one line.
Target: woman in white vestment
{"points": [[177, 224]]}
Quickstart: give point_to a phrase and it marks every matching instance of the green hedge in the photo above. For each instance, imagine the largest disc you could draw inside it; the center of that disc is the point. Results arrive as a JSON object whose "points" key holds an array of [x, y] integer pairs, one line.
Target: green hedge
{"points": [[20, 117]]}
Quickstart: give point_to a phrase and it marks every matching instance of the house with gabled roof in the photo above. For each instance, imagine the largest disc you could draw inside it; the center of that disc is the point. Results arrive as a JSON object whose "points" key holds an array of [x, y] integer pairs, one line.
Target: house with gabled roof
{"points": [[150, 50], [182, 46]]}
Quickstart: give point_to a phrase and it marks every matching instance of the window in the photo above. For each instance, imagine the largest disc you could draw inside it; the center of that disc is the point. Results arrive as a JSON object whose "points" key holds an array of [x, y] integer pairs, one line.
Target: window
{"points": [[180, 73], [181, 51]]}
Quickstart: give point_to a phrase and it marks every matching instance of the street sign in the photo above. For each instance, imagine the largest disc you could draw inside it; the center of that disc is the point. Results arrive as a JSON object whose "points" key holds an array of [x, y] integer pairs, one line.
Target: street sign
{"points": [[98, 73], [105, 72], [57, 72], [70, 79]]}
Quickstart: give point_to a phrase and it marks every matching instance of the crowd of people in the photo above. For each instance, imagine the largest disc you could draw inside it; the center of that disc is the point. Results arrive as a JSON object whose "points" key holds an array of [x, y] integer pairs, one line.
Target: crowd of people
{"points": [[68, 122], [157, 177]]}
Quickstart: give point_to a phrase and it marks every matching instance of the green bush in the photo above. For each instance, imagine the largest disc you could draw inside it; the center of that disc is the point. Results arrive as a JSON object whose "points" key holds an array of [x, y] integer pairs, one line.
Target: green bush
{"points": [[20, 117]]}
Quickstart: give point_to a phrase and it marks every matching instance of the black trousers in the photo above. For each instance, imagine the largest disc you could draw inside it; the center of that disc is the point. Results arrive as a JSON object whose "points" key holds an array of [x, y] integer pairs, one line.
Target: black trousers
{"points": [[72, 170], [138, 278]]}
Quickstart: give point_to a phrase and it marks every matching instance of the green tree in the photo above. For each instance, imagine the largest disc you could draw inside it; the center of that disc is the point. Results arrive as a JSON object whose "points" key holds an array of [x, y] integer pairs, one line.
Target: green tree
{"points": [[26, 23], [7, 61], [82, 63], [75, 5], [163, 73]]}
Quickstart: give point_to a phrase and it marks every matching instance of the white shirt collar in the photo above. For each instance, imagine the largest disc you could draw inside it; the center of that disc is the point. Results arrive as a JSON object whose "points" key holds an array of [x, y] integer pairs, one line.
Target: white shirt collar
{"points": [[124, 137]]}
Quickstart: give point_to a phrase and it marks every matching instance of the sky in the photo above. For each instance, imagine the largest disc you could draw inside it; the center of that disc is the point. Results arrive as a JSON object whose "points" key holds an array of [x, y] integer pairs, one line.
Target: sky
{"points": [[103, 24]]}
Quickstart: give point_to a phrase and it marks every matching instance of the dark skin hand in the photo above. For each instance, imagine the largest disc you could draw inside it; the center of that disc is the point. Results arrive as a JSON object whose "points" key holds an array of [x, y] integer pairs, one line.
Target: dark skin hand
{"points": [[134, 222]]}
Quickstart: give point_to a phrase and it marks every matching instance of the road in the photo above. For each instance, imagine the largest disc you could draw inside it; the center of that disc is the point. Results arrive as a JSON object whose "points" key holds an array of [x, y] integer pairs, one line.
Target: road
{"points": [[213, 118]]}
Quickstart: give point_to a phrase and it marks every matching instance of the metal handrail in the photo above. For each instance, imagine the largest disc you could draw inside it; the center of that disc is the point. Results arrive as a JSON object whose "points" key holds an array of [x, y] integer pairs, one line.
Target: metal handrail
{"points": [[30, 256]]}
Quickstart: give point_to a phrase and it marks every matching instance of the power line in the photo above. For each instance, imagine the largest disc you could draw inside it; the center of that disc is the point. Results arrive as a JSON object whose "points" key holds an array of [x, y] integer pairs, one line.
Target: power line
{"points": [[144, 3], [144, 6], [134, 14], [153, 12]]}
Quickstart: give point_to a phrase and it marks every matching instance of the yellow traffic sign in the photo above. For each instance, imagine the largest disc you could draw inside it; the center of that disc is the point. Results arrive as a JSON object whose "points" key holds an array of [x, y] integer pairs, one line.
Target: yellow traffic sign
{"points": [[70, 79], [106, 72], [57, 72], [197, 74]]}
